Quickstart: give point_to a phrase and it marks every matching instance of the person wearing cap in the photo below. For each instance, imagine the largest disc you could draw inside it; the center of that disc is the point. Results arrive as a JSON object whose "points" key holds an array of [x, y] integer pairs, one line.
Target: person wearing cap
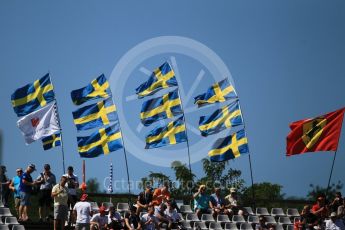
{"points": [[46, 180], [217, 204], [5, 182], [82, 213], [25, 190], [72, 184], [161, 194], [14, 186], [334, 223], [60, 195], [132, 220], [201, 201], [231, 201], [144, 200], [100, 220]]}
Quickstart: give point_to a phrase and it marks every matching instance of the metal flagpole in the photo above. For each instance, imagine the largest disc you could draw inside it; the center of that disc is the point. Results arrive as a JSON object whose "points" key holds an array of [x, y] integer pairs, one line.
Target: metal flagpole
{"points": [[330, 175], [61, 141]]}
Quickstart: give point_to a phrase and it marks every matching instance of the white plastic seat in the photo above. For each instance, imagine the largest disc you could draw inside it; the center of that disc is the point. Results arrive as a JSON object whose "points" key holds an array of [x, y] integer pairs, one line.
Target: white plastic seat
{"points": [[18, 227], [246, 226], [249, 210], [231, 226], [253, 219], [200, 225], [185, 209], [277, 212], [262, 212], [215, 226], [11, 220], [292, 212], [270, 220], [223, 219], [122, 207], [284, 220], [238, 219]]}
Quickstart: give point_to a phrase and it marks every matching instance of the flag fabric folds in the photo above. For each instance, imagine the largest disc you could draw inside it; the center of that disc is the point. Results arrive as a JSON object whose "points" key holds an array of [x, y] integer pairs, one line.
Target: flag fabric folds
{"points": [[229, 147], [226, 117], [162, 77], [51, 141], [33, 96], [39, 124], [315, 134], [98, 88], [95, 115], [171, 134], [218, 92], [103, 141], [166, 106]]}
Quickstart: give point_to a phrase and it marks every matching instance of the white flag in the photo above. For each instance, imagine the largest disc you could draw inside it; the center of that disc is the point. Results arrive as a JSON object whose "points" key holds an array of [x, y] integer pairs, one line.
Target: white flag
{"points": [[39, 124]]}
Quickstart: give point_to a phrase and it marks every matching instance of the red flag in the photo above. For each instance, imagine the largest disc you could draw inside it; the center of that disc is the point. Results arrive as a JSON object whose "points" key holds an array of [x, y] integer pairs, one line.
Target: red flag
{"points": [[315, 134]]}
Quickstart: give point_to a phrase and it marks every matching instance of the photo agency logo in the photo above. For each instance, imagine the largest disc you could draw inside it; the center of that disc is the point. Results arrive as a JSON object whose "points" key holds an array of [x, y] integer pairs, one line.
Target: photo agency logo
{"points": [[195, 66]]}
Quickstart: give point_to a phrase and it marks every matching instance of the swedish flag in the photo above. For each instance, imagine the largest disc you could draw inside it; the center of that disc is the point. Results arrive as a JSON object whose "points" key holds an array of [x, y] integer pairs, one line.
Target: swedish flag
{"points": [[226, 117], [51, 141], [103, 141], [162, 77], [229, 147], [171, 134], [98, 88], [218, 92], [166, 106], [95, 115], [33, 96]]}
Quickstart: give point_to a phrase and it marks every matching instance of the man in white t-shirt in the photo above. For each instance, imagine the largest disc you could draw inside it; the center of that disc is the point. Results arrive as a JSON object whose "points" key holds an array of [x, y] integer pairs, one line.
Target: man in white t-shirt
{"points": [[60, 195], [82, 213], [100, 220], [334, 223]]}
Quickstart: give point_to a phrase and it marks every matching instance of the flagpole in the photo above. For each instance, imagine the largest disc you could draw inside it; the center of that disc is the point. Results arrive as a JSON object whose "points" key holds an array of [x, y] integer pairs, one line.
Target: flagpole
{"points": [[58, 118], [330, 175]]}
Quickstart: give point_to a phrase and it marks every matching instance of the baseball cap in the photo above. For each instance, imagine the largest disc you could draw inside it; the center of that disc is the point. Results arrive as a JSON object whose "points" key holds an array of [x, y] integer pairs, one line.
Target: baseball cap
{"points": [[83, 197], [32, 166], [19, 170], [333, 214], [46, 166]]}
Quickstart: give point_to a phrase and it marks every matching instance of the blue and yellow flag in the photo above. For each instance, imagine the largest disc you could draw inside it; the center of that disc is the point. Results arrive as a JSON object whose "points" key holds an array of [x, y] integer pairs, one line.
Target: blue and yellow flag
{"points": [[229, 147], [51, 141], [95, 115], [33, 96], [166, 106], [103, 141], [171, 134], [226, 117], [162, 77], [218, 92], [98, 88]]}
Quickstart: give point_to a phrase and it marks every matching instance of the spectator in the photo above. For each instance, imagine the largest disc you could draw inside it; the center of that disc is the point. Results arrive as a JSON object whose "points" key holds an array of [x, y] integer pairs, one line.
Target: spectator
{"points": [[5, 182], [25, 190], [338, 201], [72, 184], [320, 209], [144, 200], [99, 221], [161, 194], [217, 204], [46, 180], [149, 220], [115, 220], [262, 225], [308, 220], [171, 213], [334, 223], [201, 201], [14, 186], [231, 201], [163, 220], [60, 194], [82, 213], [341, 210], [132, 220]]}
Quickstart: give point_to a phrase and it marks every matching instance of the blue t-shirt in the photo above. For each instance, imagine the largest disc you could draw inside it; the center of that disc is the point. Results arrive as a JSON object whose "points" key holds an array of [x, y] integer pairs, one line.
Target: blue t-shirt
{"points": [[16, 184], [23, 187], [216, 201], [201, 201]]}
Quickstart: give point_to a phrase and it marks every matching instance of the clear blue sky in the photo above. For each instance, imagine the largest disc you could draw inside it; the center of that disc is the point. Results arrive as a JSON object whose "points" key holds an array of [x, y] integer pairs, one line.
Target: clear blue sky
{"points": [[286, 59]]}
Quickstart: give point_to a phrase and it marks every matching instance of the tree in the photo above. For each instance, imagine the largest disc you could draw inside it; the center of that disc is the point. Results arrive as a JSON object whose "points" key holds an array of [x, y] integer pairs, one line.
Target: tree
{"points": [[185, 179], [265, 193], [317, 190], [92, 185], [154, 179]]}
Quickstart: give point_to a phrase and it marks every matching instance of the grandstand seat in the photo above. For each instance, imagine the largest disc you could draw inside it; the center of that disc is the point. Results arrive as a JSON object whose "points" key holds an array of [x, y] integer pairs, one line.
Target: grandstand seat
{"points": [[290, 227], [278, 227], [122, 207], [200, 225], [277, 212], [4, 227], [262, 212], [215, 226], [253, 219], [246, 226], [270, 220], [18, 227], [11, 220], [181, 216], [231, 226], [94, 206], [249, 210], [223, 219], [179, 203], [186, 224], [1, 204], [238, 219], [107, 205], [207, 218], [5, 212], [185, 209], [284, 220], [292, 212], [192, 217]]}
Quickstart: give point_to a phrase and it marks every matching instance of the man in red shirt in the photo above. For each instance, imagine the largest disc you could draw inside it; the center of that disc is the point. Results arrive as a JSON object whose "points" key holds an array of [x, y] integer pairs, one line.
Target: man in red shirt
{"points": [[161, 194], [320, 209]]}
